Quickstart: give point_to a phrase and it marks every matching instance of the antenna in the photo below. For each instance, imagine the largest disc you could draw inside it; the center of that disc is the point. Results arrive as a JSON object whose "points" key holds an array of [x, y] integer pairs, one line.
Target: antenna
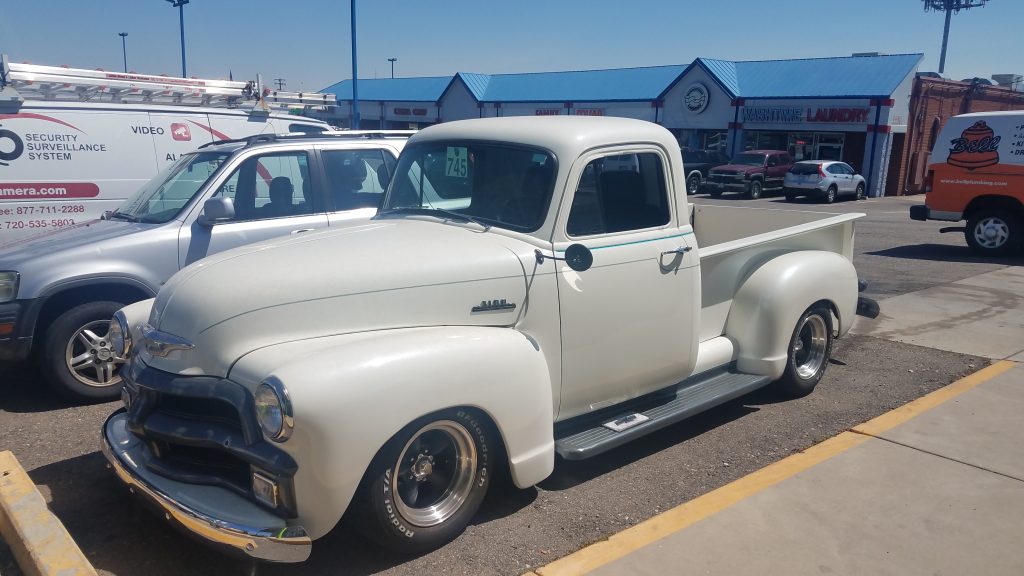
{"points": [[950, 7]]}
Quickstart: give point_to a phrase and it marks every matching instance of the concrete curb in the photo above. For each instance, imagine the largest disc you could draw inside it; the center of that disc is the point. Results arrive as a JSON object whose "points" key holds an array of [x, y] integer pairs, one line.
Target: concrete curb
{"points": [[40, 543], [671, 521]]}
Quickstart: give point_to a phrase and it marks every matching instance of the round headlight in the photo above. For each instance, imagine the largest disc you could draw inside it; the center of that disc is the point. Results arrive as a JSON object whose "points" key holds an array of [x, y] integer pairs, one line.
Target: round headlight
{"points": [[274, 410], [120, 336]]}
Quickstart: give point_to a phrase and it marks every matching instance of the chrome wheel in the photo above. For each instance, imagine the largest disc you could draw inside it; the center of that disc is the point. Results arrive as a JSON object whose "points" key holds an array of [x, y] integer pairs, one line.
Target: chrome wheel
{"points": [[436, 471], [693, 184], [991, 233], [90, 357], [809, 348]]}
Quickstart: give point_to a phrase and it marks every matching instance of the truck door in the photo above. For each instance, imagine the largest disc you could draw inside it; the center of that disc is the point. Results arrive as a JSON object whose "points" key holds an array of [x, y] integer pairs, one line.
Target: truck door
{"points": [[628, 323], [274, 194]]}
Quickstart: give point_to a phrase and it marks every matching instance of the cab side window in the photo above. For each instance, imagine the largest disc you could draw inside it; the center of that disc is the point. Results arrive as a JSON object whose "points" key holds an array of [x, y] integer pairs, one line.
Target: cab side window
{"points": [[271, 186], [611, 198], [357, 178]]}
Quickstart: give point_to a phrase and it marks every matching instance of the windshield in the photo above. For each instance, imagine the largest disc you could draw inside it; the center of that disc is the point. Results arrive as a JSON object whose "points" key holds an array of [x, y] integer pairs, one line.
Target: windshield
{"points": [[749, 159], [495, 184], [164, 196]]}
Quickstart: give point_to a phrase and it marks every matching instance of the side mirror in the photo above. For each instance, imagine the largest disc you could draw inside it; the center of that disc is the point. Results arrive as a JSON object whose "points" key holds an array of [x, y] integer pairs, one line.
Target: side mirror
{"points": [[217, 209], [579, 257]]}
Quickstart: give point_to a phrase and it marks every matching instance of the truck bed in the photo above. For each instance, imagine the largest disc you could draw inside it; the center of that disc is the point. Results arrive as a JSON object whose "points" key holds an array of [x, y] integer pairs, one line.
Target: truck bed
{"points": [[734, 241]]}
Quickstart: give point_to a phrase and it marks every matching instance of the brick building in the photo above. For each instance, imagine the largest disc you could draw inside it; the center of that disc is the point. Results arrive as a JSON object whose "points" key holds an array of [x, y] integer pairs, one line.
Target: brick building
{"points": [[932, 102]]}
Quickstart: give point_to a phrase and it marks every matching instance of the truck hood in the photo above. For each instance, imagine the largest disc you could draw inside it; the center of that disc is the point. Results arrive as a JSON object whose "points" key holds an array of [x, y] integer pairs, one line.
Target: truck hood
{"points": [[735, 169], [85, 236], [380, 275]]}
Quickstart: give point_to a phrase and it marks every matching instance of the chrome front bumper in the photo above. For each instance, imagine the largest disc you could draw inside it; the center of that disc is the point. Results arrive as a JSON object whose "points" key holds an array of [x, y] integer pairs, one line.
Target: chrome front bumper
{"points": [[234, 527]]}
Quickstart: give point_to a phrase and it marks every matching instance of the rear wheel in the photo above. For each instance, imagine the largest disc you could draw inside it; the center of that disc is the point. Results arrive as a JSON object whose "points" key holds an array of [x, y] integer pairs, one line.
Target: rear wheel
{"points": [[425, 485], [78, 359], [809, 350], [993, 232], [693, 184], [755, 190], [830, 194]]}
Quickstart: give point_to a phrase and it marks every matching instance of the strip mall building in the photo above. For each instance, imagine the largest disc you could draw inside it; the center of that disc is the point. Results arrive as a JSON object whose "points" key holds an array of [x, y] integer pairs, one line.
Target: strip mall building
{"points": [[852, 109]]}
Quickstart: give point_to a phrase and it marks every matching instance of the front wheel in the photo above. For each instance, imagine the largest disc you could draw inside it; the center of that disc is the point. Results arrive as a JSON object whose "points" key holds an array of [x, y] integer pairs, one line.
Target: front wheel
{"points": [[809, 350], [78, 359], [860, 191], [755, 190], [425, 485], [993, 232]]}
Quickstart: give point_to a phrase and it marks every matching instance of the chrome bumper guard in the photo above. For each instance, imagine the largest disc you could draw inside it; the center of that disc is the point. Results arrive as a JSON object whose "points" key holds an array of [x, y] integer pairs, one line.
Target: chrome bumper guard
{"points": [[281, 544]]}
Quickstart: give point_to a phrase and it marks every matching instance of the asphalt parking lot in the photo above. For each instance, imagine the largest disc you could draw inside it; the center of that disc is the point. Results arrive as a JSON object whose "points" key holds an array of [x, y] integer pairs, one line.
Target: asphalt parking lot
{"points": [[581, 502]]}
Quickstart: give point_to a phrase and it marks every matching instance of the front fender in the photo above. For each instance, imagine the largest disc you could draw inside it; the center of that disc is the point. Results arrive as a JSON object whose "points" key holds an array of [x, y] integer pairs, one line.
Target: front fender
{"points": [[769, 302], [352, 393]]}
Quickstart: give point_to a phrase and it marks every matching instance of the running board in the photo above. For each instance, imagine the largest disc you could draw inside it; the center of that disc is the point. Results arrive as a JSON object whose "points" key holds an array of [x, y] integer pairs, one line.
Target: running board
{"points": [[593, 435]]}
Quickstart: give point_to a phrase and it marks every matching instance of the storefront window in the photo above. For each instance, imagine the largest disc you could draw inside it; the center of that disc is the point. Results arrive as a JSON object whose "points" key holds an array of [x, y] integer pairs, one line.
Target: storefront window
{"points": [[702, 139], [800, 145]]}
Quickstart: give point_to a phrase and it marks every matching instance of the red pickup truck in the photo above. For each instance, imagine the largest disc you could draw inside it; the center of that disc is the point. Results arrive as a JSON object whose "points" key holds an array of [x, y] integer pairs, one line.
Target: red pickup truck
{"points": [[751, 173]]}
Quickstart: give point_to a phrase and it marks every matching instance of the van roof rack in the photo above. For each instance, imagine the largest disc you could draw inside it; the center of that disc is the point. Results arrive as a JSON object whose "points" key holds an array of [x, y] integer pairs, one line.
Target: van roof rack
{"points": [[59, 83], [326, 134]]}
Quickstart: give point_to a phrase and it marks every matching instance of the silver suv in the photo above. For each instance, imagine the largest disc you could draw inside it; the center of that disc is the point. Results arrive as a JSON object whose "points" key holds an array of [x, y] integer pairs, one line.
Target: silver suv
{"points": [[825, 180], [59, 291]]}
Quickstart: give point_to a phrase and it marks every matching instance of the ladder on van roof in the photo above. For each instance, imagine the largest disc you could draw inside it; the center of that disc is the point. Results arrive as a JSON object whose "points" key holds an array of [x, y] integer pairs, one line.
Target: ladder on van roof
{"points": [[58, 83]]}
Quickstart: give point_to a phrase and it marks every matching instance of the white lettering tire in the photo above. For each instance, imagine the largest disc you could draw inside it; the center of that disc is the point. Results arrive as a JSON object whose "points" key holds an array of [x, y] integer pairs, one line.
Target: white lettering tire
{"points": [[426, 484]]}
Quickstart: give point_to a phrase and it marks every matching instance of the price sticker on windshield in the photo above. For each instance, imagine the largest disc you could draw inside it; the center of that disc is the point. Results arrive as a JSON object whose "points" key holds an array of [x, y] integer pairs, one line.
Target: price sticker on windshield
{"points": [[457, 165]]}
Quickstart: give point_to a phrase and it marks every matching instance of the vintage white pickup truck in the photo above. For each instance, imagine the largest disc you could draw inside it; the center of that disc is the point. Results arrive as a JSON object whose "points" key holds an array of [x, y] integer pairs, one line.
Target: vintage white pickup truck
{"points": [[513, 300]]}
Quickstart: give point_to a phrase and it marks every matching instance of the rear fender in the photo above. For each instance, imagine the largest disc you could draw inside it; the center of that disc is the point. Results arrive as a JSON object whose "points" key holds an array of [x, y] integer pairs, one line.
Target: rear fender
{"points": [[352, 393], [769, 302]]}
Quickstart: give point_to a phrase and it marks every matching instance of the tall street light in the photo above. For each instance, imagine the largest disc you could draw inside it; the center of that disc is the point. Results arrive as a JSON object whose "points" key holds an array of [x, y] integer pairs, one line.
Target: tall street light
{"points": [[124, 50], [355, 73], [180, 5], [392, 60]]}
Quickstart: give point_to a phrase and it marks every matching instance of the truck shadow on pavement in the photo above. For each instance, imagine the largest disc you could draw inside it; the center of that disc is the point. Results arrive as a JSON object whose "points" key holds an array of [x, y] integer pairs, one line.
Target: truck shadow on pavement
{"points": [[946, 253]]}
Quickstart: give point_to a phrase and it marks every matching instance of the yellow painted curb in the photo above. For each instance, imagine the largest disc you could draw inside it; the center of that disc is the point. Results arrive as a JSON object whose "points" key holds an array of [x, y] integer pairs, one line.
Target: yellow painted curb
{"points": [[898, 416], [684, 515], [38, 540]]}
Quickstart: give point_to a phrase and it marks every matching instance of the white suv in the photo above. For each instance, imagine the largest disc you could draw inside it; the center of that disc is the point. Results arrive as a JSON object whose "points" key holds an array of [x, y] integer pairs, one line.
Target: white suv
{"points": [[825, 180]]}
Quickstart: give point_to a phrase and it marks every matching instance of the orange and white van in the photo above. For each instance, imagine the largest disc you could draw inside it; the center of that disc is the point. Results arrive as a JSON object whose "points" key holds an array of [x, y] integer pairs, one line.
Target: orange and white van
{"points": [[977, 174]]}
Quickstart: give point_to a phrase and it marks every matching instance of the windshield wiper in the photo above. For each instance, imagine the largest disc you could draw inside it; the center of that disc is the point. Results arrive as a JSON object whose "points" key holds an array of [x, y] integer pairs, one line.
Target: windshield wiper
{"points": [[122, 216], [430, 211]]}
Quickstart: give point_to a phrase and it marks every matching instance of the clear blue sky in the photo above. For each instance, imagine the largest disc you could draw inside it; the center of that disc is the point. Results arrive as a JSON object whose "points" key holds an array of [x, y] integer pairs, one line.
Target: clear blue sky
{"points": [[308, 42]]}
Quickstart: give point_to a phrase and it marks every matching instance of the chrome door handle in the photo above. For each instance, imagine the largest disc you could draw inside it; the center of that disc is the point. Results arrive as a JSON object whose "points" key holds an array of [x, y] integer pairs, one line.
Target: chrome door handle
{"points": [[300, 230], [680, 250]]}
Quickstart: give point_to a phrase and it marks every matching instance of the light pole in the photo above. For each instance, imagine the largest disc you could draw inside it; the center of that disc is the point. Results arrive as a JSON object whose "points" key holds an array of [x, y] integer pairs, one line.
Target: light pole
{"points": [[355, 73], [392, 60], [950, 7], [180, 5], [124, 50]]}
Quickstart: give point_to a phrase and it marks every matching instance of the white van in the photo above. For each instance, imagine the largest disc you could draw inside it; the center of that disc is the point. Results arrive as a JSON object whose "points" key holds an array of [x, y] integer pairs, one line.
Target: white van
{"points": [[76, 143]]}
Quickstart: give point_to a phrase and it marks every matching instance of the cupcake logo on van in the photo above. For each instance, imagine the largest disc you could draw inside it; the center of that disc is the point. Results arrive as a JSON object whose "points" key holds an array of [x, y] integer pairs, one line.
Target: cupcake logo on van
{"points": [[977, 147]]}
